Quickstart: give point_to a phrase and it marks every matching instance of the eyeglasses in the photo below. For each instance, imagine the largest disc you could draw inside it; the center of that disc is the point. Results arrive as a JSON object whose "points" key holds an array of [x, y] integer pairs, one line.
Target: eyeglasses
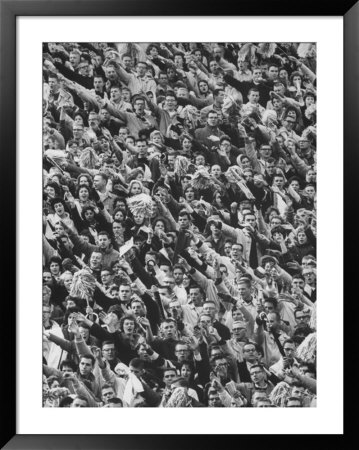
{"points": [[182, 350], [221, 365]]}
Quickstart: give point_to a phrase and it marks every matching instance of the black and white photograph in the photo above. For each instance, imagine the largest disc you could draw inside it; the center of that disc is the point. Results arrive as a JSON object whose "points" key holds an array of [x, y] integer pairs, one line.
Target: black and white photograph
{"points": [[179, 224]]}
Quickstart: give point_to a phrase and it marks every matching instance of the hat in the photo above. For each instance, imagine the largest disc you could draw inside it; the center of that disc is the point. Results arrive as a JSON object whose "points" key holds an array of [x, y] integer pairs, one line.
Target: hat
{"points": [[268, 258], [279, 229], [240, 323]]}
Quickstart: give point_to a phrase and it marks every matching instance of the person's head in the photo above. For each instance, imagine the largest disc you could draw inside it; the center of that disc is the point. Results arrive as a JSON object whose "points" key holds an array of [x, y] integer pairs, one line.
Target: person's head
{"points": [[137, 367], [96, 260], [178, 272], [214, 400], [212, 118], [79, 402], [67, 367], [236, 251], [289, 122], [250, 352], [187, 370], [108, 349], [239, 330], [169, 329], [55, 266], [53, 83], [100, 181], [219, 364], [273, 321], [265, 151], [66, 280], [278, 180], [293, 402], [209, 308], [250, 219], [128, 324], [139, 105], [141, 68], [170, 101], [219, 96], [86, 364], [302, 317], [125, 293], [203, 87], [257, 373], [244, 288], [104, 240], [138, 308], [182, 351], [142, 147], [298, 282], [196, 295], [253, 96], [189, 193], [169, 374], [184, 219], [107, 392], [98, 83], [94, 120], [273, 72], [270, 305], [258, 396]]}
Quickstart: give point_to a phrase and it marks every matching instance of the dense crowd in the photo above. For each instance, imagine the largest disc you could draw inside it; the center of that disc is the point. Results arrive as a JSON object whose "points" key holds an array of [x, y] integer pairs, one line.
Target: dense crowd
{"points": [[179, 225]]}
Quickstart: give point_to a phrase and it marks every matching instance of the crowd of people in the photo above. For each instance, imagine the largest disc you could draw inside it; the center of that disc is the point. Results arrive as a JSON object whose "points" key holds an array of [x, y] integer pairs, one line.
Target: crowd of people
{"points": [[179, 225]]}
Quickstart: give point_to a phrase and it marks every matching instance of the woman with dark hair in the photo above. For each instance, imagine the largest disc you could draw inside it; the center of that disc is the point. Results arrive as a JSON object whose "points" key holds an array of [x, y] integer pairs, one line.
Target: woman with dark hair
{"points": [[188, 372], [70, 315]]}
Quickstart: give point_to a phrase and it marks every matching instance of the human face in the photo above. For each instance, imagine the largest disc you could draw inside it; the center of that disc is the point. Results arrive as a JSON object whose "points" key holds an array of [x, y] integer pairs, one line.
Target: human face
{"points": [[195, 296], [137, 309], [298, 283], [85, 366], [253, 97], [117, 229], [83, 194], [210, 309], [111, 73], [169, 330], [168, 377], [55, 268], [212, 119], [78, 403], [67, 279], [46, 313], [107, 394], [309, 278], [46, 278], [246, 163], [53, 84], [186, 372], [125, 293], [265, 151], [213, 66], [289, 350], [221, 368], [95, 260], [135, 189], [302, 318], [214, 401], [257, 375], [278, 182], [85, 333], [182, 352], [257, 73], [115, 94], [273, 73], [311, 176], [98, 84], [103, 242], [301, 237], [239, 332], [203, 87], [189, 194], [183, 222], [309, 100], [250, 353], [250, 219], [244, 291], [108, 352], [310, 191], [200, 161], [273, 323], [128, 326]]}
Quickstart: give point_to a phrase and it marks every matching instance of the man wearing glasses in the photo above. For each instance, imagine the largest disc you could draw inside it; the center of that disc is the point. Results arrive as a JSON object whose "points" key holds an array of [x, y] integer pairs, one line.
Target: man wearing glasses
{"points": [[281, 369]]}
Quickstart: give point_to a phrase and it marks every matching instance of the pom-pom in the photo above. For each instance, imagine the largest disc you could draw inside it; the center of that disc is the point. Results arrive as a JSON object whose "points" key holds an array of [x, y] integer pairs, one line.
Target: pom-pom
{"points": [[307, 350], [280, 394], [202, 180], [305, 49], [141, 204], [246, 51], [83, 285], [181, 165], [88, 158], [267, 49]]}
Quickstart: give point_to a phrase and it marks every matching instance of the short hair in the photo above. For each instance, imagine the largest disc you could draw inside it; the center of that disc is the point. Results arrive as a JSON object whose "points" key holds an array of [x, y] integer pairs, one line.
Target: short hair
{"points": [[88, 356], [137, 363], [253, 89], [103, 233], [217, 91], [141, 62], [82, 398], [115, 400], [168, 369], [68, 363], [184, 212], [293, 399], [257, 365], [288, 341], [103, 176], [212, 111], [225, 137], [107, 386]]}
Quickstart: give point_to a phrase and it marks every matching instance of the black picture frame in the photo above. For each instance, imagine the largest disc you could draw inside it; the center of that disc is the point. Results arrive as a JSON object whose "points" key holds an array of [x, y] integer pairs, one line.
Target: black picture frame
{"points": [[10, 10]]}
